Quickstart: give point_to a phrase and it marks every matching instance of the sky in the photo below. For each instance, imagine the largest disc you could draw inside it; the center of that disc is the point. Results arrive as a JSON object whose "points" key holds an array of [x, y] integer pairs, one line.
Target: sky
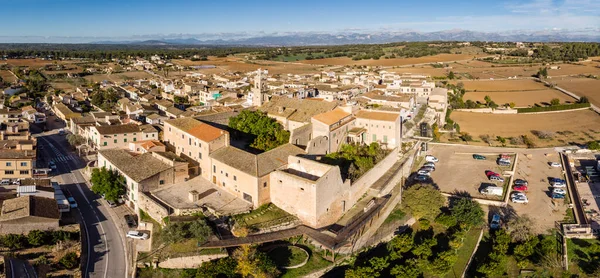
{"points": [[131, 18]]}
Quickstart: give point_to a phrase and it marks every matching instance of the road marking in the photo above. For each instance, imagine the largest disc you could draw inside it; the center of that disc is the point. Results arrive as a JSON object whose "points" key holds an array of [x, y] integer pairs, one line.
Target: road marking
{"points": [[26, 271]]}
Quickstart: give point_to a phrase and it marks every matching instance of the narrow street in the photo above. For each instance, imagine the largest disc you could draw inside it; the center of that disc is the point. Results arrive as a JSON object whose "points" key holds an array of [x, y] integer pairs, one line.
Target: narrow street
{"points": [[106, 254]]}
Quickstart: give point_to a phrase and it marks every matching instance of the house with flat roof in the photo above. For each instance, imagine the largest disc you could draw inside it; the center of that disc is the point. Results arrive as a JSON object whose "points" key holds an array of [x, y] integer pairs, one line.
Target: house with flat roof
{"points": [[196, 140], [246, 175], [119, 136], [387, 99], [144, 172], [24, 214], [312, 191]]}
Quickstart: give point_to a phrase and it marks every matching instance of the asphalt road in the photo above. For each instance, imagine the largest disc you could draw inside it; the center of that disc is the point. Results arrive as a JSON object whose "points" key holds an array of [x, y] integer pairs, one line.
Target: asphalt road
{"points": [[105, 249], [20, 268]]}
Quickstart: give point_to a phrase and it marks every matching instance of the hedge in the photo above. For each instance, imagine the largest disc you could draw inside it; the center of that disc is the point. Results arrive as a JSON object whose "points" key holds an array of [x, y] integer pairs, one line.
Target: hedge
{"points": [[553, 108]]}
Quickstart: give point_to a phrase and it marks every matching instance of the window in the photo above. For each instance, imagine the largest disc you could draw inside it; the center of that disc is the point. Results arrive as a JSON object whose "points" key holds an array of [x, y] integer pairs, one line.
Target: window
{"points": [[200, 145], [9, 172], [384, 138], [124, 134], [182, 136], [152, 134], [214, 168], [227, 175], [105, 143], [190, 154], [200, 155], [24, 172], [146, 135], [8, 164], [374, 137], [23, 163], [190, 141], [169, 128], [234, 178], [161, 182], [223, 184], [115, 141], [265, 184], [125, 140]]}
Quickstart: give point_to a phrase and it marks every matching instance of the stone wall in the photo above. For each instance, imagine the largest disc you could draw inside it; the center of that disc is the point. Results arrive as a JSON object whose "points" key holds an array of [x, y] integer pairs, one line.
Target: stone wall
{"points": [[360, 187], [302, 135], [189, 261], [25, 228], [489, 110], [318, 146], [152, 208]]}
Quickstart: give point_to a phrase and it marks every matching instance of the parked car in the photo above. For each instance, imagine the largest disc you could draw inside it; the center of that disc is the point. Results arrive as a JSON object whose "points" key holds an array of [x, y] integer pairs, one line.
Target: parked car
{"points": [[424, 172], [495, 223], [5, 182], [422, 178], [503, 162], [61, 132], [559, 191], [492, 190], [478, 157], [429, 164], [558, 196], [558, 183], [111, 204], [431, 158], [137, 235], [72, 202], [496, 178], [520, 199], [52, 165], [131, 220], [520, 188], [428, 168], [489, 173], [517, 194], [521, 182], [16, 182], [554, 164]]}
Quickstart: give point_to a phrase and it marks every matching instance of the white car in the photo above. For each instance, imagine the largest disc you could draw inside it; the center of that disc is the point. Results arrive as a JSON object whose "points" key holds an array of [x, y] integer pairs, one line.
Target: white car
{"points": [[559, 191], [558, 184], [137, 235], [555, 164], [518, 195], [520, 199], [429, 164], [431, 158], [424, 172]]}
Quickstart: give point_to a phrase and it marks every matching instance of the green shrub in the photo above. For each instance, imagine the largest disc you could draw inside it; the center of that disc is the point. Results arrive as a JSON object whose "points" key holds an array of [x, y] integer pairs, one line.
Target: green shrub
{"points": [[70, 260], [553, 108]]}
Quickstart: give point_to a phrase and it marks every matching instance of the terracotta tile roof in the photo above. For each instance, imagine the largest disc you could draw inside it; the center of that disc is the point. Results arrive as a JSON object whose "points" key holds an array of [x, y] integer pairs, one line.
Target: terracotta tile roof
{"points": [[198, 129], [379, 95], [256, 165], [298, 110], [137, 167], [25, 206], [332, 117], [118, 129], [151, 143], [379, 116]]}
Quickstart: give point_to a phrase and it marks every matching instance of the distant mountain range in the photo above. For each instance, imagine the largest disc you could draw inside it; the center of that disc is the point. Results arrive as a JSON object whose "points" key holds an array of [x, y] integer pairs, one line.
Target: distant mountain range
{"points": [[314, 38]]}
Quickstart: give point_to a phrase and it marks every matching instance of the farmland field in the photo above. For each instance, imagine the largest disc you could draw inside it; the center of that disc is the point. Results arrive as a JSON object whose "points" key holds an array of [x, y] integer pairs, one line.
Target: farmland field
{"points": [[35, 63], [119, 77], [232, 64], [425, 70], [587, 87], [7, 76], [578, 126], [391, 62], [520, 98]]}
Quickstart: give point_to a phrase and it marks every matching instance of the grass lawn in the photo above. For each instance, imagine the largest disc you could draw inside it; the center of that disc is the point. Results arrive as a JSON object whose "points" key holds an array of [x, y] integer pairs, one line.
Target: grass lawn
{"points": [[287, 255], [315, 262], [464, 253], [265, 215], [396, 215], [165, 273]]}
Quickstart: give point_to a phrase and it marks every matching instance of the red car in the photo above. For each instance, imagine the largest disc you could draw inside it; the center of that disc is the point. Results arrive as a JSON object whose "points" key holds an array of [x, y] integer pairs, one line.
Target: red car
{"points": [[489, 173], [520, 187]]}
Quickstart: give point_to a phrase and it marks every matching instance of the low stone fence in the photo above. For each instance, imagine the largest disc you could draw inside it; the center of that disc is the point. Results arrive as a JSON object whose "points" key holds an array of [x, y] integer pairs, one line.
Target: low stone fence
{"points": [[489, 110], [152, 208]]}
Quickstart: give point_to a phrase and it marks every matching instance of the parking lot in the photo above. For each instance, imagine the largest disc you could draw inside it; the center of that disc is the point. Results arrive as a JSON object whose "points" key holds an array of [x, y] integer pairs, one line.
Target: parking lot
{"points": [[458, 171]]}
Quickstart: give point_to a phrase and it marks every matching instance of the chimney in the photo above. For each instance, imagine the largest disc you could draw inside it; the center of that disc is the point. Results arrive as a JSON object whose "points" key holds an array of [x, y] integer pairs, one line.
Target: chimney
{"points": [[280, 109], [193, 196]]}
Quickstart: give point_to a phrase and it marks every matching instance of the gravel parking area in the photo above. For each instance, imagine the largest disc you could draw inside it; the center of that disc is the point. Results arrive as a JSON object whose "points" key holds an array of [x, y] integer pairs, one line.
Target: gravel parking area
{"points": [[541, 208], [457, 171]]}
